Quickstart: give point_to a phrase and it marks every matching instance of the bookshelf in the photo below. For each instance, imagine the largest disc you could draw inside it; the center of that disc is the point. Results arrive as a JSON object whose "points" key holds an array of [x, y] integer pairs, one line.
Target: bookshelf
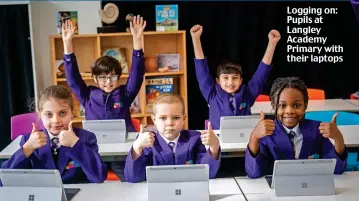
{"points": [[89, 47]]}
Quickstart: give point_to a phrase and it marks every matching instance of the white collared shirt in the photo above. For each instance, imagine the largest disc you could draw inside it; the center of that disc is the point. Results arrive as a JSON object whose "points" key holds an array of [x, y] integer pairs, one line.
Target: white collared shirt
{"points": [[175, 141], [298, 139]]}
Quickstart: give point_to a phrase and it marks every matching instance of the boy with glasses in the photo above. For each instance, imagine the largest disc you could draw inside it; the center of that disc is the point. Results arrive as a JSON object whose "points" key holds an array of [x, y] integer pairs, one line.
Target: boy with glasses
{"points": [[109, 100]]}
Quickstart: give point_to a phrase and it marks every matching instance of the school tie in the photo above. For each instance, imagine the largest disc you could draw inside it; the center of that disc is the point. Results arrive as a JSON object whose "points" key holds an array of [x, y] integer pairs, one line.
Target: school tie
{"points": [[172, 146], [291, 135], [232, 104], [54, 148]]}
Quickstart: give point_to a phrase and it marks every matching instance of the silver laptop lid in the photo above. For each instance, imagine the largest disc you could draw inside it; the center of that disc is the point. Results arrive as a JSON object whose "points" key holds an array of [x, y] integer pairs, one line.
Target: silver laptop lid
{"points": [[304, 177], [304, 167], [30, 178], [179, 173], [107, 131], [237, 129]]}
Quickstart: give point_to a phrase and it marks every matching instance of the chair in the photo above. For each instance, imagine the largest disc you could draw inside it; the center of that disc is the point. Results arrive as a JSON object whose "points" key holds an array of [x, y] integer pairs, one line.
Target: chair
{"points": [[344, 118], [316, 94], [111, 176], [262, 98], [22, 124], [354, 95], [136, 124]]}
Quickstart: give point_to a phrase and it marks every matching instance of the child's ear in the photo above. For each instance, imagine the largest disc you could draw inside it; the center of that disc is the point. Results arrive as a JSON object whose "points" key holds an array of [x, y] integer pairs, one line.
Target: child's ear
{"points": [[184, 117], [95, 79], [217, 80], [153, 118]]}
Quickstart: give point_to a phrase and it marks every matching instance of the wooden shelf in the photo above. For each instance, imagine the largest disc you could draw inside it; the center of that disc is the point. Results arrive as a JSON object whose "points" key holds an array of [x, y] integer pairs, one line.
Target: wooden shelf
{"points": [[163, 74], [89, 47]]}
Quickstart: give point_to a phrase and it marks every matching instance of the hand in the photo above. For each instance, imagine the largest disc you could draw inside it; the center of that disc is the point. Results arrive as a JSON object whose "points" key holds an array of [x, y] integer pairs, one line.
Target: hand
{"points": [[274, 36], [209, 138], [137, 26], [68, 30], [330, 130], [264, 127], [68, 138], [36, 140], [196, 31], [144, 140]]}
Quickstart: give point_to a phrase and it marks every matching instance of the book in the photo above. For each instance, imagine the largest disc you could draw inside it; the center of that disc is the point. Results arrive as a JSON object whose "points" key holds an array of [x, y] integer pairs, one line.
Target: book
{"points": [[167, 62], [62, 16], [166, 17], [155, 87], [120, 55]]}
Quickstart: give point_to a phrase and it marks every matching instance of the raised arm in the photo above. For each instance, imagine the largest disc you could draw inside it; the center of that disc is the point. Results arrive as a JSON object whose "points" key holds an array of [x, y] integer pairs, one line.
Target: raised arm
{"points": [[204, 78], [73, 76], [137, 72], [260, 76]]}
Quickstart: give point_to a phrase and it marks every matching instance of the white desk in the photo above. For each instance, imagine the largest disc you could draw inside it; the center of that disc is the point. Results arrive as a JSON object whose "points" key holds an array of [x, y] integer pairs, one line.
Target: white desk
{"points": [[220, 189], [115, 149], [353, 101], [119, 149], [346, 187], [350, 134], [313, 105]]}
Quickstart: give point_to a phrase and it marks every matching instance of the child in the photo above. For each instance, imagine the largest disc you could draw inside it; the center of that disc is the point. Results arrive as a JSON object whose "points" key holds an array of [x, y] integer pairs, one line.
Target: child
{"points": [[109, 100], [171, 145], [228, 97], [290, 136], [73, 151]]}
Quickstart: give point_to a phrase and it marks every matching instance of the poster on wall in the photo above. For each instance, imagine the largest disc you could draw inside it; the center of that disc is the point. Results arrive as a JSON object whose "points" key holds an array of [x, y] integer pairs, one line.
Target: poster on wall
{"points": [[62, 16]]}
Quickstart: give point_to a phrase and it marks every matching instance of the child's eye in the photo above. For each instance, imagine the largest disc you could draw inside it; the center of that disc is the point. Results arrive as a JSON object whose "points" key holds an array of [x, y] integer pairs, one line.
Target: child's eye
{"points": [[48, 114], [225, 78], [283, 105], [175, 118], [163, 118], [62, 113], [297, 105]]}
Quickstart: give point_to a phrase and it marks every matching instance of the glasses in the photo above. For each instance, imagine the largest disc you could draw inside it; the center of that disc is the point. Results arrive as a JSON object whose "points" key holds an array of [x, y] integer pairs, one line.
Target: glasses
{"points": [[104, 78]]}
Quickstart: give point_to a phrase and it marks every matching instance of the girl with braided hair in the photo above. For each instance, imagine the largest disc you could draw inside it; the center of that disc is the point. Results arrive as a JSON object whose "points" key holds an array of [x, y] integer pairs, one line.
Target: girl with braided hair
{"points": [[291, 136]]}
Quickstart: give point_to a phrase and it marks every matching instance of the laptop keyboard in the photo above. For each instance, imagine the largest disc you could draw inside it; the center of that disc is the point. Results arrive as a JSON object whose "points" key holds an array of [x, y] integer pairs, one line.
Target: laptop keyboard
{"points": [[71, 192]]}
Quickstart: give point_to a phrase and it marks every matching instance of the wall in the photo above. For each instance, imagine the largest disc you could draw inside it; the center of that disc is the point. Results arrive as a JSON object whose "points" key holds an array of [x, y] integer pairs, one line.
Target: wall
{"points": [[43, 20]]}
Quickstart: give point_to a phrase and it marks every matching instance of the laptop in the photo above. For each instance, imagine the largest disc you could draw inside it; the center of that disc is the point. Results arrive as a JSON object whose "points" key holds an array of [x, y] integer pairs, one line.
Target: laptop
{"points": [[237, 129], [178, 182], [303, 177], [107, 131], [35, 185]]}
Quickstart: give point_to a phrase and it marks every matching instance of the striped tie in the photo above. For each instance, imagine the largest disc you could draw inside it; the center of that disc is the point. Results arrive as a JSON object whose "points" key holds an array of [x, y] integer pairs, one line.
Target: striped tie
{"points": [[172, 146], [291, 135], [232, 104]]}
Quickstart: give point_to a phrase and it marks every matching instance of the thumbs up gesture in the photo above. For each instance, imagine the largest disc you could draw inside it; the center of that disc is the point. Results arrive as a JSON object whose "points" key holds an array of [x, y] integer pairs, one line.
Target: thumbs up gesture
{"points": [[264, 127], [330, 130], [36, 140], [208, 137], [67, 137], [144, 140]]}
